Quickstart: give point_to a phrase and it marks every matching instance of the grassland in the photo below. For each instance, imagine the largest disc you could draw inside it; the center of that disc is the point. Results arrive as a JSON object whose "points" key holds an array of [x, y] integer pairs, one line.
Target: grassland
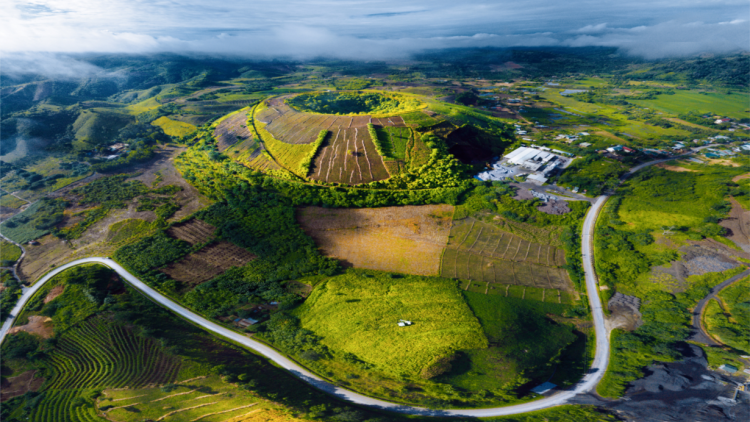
{"points": [[358, 313], [732, 105], [173, 127], [728, 319], [33, 222], [514, 328], [394, 141], [9, 253]]}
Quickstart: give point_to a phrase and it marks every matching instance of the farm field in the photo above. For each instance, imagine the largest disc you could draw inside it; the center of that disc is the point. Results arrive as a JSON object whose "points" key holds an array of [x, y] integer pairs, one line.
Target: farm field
{"points": [[732, 105], [207, 263], [193, 231], [482, 252], [174, 127], [233, 131], [405, 239], [366, 308], [348, 156], [99, 354], [9, 253], [22, 227], [207, 399]]}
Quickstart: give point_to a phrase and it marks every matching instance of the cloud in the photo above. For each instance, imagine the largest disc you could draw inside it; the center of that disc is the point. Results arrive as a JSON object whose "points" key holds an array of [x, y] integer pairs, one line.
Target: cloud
{"points": [[370, 29], [52, 65]]}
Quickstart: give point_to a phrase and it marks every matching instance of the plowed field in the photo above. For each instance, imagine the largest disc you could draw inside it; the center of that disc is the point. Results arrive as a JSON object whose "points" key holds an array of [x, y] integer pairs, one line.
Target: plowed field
{"points": [[232, 130], [193, 231], [401, 239], [349, 157], [482, 252], [207, 263]]}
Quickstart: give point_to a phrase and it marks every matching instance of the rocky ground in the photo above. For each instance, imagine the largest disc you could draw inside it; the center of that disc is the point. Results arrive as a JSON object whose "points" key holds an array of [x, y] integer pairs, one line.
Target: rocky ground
{"points": [[684, 391]]}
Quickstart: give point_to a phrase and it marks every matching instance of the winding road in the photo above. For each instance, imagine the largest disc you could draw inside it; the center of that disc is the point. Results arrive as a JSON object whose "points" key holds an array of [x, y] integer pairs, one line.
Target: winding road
{"points": [[586, 384]]}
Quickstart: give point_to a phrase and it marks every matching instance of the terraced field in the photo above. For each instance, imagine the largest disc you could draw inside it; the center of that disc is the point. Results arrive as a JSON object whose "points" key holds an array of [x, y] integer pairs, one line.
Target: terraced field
{"points": [[205, 399], [99, 353], [233, 130], [193, 231], [481, 252]]}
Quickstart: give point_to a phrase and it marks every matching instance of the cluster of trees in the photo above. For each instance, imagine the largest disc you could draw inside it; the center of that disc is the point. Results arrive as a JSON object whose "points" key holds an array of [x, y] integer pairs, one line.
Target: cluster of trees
{"points": [[350, 103], [304, 165], [152, 252]]}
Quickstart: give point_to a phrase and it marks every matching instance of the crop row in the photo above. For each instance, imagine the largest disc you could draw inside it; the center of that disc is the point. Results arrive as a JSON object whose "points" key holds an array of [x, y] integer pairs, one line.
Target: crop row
{"points": [[457, 263], [349, 157], [101, 354]]}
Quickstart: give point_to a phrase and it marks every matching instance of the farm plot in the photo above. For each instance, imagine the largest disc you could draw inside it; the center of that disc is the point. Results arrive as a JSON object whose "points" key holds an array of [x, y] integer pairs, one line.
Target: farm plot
{"points": [[394, 140], [401, 239], [207, 263], [232, 130], [98, 353], [193, 231], [482, 252], [207, 399], [349, 157]]}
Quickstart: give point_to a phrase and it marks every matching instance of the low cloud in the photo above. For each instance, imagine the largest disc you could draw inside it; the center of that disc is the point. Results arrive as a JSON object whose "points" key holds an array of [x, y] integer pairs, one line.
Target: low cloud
{"points": [[57, 66], [370, 29]]}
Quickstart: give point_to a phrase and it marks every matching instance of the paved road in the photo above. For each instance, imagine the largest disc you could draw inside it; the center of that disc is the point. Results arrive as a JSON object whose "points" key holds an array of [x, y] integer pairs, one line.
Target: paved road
{"points": [[587, 383], [700, 334]]}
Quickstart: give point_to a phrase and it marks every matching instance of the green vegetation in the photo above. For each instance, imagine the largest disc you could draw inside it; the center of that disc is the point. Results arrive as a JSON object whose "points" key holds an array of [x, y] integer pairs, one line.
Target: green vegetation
{"points": [[391, 141], [9, 253], [593, 174], [419, 118], [307, 161], [516, 355], [128, 229], [729, 320], [10, 294], [151, 252], [655, 199], [349, 103], [356, 315], [35, 221], [108, 336], [173, 127], [731, 105]]}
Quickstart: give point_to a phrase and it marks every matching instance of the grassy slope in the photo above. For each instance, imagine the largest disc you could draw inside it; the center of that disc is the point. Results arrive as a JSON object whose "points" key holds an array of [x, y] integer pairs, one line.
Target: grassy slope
{"points": [[359, 315], [515, 328], [173, 127], [729, 322]]}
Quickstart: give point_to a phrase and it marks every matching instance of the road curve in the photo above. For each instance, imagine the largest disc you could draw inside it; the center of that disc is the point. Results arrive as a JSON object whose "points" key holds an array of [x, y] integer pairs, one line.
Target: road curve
{"points": [[587, 383], [701, 334]]}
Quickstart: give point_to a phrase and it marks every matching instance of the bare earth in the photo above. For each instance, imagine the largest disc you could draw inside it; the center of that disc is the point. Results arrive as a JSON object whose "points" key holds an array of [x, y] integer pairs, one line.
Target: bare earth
{"points": [[738, 226], [54, 293], [406, 239], [19, 385], [39, 325]]}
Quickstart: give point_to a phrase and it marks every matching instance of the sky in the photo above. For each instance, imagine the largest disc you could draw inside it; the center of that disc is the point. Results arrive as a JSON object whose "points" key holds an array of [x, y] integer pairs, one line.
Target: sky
{"points": [[370, 29]]}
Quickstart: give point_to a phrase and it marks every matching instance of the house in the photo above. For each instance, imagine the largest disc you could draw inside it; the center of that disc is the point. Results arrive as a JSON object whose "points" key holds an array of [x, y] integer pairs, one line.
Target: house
{"points": [[628, 150], [582, 134], [615, 149], [584, 145], [746, 147], [245, 322], [112, 157], [728, 368], [117, 147], [404, 323], [720, 121], [543, 388]]}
